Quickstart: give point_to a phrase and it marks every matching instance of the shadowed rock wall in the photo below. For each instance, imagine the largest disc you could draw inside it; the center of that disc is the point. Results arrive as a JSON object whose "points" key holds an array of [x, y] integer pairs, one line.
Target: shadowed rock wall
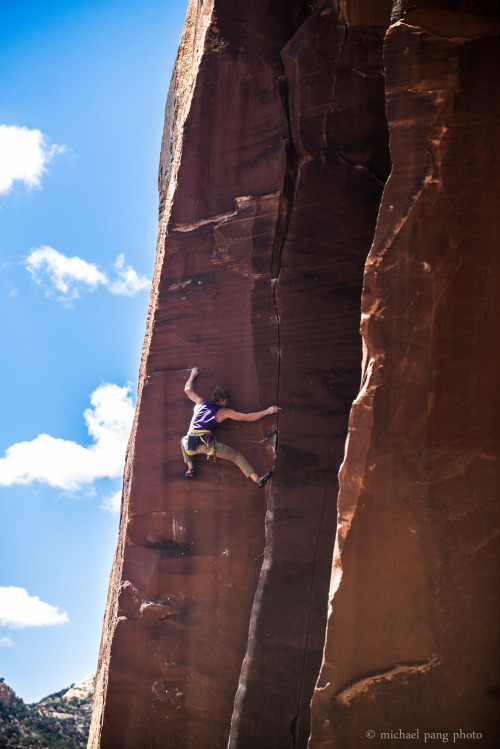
{"points": [[273, 164], [412, 638]]}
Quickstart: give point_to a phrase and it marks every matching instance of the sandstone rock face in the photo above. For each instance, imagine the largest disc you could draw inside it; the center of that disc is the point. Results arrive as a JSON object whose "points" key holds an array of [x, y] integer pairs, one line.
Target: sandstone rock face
{"points": [[279, 233], [413, 614]]}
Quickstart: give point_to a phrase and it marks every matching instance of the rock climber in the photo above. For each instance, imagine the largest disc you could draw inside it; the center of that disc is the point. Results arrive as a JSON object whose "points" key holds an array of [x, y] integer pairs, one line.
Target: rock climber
{"points": [[206, 418]]}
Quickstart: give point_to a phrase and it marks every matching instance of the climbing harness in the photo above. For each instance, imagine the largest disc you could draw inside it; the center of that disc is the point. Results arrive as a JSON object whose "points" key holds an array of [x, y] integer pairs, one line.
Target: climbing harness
{"points": [[196, 436]]}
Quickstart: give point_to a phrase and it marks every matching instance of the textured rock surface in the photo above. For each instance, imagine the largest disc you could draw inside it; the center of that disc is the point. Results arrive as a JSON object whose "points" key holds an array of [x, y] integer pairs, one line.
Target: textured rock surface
{"points": [[412, 635], [273, 163]]}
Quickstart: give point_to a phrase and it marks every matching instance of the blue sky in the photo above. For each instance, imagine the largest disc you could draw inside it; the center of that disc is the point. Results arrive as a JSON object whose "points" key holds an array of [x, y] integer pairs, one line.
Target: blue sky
{"points": [[82, 94]]}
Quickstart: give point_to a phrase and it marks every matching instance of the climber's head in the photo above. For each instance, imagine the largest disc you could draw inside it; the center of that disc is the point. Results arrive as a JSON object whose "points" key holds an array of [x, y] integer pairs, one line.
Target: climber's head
{"points": [[220, 396]]}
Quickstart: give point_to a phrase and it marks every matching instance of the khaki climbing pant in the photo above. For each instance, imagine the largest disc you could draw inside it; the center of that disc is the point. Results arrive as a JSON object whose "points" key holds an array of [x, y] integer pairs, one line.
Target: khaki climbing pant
{"points": [[222, 451]]}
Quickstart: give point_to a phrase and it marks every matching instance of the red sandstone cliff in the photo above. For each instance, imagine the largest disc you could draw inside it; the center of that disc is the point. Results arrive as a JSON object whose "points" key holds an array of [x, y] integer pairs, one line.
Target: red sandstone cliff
{"points": [[280, 233]]}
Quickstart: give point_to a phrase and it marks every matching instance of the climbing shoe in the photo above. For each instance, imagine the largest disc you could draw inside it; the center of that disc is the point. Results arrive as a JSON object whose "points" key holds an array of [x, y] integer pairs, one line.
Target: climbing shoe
{"points": [[189, 474], [264, 479]]}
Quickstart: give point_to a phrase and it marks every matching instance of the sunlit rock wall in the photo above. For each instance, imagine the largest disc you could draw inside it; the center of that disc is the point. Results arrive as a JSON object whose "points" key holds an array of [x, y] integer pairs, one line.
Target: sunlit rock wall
{"points": [[274, 160], [412, 639]]}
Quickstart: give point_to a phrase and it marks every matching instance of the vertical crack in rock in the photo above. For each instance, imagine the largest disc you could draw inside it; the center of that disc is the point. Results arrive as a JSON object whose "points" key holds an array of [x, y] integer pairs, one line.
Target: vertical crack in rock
{"points": [[313, 250], [289, 186], [287, 200]]}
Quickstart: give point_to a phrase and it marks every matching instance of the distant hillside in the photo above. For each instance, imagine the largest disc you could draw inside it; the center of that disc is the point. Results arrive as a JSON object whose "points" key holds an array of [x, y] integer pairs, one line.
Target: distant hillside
{"points": [[59, 721]]}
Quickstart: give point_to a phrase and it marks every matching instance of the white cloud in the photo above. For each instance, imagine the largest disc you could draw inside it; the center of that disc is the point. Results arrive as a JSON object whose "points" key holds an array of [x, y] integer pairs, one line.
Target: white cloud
{"points": [[65, 277], [6, 642], [24, 155], [18, 609], [128, 283], [67, 465], [113, 503]]}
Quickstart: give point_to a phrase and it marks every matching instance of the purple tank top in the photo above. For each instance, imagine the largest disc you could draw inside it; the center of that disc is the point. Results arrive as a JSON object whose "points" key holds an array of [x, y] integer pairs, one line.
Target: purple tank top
{"points": [[204, 417]]}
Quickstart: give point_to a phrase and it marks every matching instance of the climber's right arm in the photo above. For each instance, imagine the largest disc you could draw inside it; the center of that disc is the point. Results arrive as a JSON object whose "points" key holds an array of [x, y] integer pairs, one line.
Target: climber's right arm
{"points": [[188, 388]]}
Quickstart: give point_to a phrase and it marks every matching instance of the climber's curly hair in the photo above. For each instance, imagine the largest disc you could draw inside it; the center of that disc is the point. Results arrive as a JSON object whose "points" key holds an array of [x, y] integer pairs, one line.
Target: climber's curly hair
{"points": [[219, 394]]}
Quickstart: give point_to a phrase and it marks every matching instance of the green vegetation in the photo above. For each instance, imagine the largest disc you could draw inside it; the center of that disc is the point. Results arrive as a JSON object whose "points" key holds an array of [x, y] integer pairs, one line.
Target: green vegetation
{"points": [[53, 723]]}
